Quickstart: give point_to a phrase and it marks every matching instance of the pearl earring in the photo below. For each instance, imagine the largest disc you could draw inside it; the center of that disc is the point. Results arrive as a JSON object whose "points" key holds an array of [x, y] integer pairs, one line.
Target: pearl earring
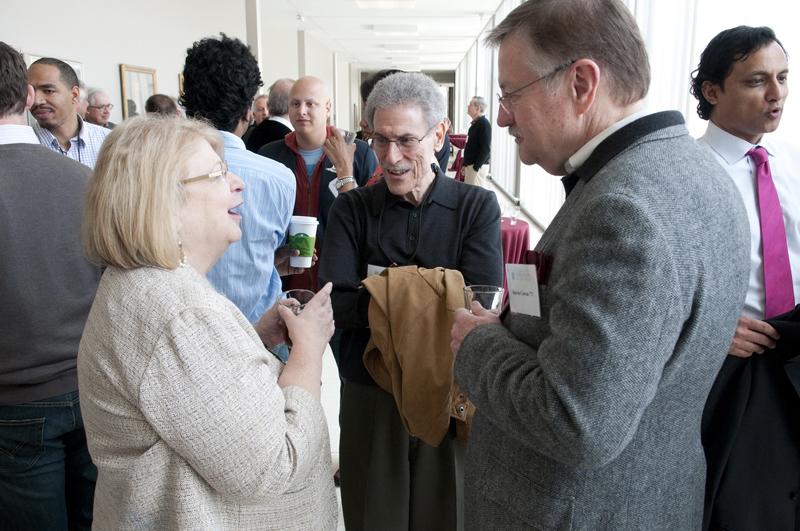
{"points": [[183, 262]]}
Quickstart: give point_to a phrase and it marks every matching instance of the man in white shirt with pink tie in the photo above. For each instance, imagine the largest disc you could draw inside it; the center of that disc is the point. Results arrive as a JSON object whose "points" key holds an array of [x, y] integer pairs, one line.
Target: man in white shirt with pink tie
{"points": [[741, 87]]}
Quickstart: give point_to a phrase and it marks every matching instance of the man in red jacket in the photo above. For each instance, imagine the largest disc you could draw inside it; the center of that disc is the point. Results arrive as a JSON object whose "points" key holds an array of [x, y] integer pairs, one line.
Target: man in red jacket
{"points": [[324, 164]]}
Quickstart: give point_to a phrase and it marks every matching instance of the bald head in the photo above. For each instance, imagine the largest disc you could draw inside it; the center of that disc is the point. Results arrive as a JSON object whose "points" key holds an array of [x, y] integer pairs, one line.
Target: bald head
{"points": [[309, 109]]}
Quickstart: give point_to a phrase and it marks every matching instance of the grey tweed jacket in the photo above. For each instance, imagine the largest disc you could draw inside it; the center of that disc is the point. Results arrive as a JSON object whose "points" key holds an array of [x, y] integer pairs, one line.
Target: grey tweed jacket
{"points": [[589, 417]]}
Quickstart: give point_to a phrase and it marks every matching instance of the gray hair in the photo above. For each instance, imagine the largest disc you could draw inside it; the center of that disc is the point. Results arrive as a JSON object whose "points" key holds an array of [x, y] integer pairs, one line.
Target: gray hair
{"points": [[92, 93], [608, 35], [278, 103], [480, 103], [408, 89], [258, 97]]}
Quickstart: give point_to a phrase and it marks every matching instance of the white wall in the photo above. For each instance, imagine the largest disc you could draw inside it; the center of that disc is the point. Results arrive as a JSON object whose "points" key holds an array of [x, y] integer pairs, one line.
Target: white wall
{"points": [[102, 34], [343, 116], [279, 53]]}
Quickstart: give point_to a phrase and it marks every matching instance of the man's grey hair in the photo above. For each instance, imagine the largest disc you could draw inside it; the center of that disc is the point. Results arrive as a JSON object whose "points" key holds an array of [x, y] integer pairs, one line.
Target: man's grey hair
{"points": [[93, 92], [258, 97], [480, 103], [408, 89], [608, 35], [278, 103]]}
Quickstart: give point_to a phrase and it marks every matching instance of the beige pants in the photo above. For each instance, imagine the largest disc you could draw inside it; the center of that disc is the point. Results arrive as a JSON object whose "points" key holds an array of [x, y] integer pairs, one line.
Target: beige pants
{"points": [[477, 178]]}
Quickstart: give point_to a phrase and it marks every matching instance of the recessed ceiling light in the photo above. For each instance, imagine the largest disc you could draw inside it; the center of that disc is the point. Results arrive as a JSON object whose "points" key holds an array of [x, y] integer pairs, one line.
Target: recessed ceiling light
{"points": [[386, 4], [389, 30]]}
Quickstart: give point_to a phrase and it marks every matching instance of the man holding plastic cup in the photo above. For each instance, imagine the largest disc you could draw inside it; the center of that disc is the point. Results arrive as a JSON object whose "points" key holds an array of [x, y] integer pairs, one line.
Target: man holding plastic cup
{"points": [[415, 216], [323, 162]]}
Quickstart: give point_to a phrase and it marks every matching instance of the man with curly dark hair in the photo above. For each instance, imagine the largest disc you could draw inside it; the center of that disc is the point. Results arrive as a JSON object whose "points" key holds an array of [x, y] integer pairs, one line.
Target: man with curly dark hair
{"points": [[221, 78]]}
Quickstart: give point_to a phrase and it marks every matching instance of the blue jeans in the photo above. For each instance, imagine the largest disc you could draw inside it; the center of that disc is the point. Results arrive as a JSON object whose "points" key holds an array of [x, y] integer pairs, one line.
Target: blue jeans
{"points": [[46, 474]]}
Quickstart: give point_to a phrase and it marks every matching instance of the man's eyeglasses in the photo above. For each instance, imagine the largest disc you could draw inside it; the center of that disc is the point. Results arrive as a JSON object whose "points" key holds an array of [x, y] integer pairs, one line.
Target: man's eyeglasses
{"points": [[220, 173], [106, 107], [407, 143], [506, 100]]}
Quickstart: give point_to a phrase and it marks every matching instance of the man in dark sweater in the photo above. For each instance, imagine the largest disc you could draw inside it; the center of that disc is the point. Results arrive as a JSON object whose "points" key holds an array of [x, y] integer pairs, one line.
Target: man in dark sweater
{"points": [[414, 216], [479, 143], [277, 125], [46, 474]]}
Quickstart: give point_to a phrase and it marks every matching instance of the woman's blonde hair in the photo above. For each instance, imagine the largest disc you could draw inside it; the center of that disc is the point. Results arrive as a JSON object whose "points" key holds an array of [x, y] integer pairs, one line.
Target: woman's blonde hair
{"points": [[134, 194]]}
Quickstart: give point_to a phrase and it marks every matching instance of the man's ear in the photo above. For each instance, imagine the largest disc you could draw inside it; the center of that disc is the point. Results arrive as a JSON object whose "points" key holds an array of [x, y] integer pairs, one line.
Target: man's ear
{"points": [[711, 91], [438, 138], [76, 94], [584, 76], [30, 97]]}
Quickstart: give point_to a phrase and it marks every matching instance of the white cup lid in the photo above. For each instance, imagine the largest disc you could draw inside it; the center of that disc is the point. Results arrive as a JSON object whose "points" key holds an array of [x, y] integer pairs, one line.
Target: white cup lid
{"points": [[304, 220]]}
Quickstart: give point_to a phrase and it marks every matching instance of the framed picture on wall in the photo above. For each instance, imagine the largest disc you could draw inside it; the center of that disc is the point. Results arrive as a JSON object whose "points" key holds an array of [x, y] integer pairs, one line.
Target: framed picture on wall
{"points": [[29, 58], [138, 84]]}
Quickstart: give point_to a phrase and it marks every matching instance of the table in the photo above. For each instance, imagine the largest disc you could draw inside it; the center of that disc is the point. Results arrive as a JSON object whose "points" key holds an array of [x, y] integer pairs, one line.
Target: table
{"points": [[458, 141], [515, 240]]}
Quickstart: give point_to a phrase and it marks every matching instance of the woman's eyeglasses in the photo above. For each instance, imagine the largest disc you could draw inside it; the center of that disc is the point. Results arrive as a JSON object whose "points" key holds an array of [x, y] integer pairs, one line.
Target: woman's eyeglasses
{"points": [[220, 173]]}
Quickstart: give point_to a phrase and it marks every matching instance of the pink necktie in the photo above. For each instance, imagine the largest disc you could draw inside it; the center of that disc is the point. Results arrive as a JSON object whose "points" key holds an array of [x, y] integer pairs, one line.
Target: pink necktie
{"points": [[778, 288]]}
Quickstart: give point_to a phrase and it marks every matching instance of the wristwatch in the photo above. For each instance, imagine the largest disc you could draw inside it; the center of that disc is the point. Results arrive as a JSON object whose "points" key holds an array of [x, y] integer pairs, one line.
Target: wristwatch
{"points": [[344, 181]]}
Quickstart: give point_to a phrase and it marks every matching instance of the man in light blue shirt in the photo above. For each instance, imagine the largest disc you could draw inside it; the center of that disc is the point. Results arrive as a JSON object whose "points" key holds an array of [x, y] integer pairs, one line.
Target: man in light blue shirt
{"points": [[246, 273]]}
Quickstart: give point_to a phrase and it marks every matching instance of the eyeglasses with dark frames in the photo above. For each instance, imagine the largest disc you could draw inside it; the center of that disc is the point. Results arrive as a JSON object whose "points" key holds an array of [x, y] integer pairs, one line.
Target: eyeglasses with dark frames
{"points": [[221, 173], [407, 143], [506, 100]]}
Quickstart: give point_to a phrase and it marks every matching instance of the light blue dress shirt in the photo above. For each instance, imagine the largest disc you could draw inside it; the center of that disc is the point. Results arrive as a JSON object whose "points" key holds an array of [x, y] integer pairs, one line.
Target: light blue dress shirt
{"points": [[83, 147], [246, 273]]}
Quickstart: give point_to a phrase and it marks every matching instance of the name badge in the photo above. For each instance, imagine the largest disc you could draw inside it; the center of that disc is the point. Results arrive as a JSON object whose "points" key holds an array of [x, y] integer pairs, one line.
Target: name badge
{"points": [[374, 270], [523, 289], [332, 187]]}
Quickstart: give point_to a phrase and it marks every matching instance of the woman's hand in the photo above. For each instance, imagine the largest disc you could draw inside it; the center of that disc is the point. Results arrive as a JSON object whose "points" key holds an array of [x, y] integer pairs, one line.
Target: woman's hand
{"points": [[311, 329], [310, 332]]}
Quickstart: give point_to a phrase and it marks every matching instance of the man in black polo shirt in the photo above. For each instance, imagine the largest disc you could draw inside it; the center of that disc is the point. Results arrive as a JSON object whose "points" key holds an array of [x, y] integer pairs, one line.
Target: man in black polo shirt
{"points": [[414, 216]]}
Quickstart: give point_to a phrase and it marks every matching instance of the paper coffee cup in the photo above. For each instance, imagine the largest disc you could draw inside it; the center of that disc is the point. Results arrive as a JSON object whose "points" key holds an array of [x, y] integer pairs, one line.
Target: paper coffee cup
{"points": [[302, 234]]}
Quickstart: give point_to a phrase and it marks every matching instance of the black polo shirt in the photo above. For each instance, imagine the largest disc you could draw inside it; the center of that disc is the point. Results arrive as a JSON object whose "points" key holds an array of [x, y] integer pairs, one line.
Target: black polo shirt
{"points": [[456, 226]]}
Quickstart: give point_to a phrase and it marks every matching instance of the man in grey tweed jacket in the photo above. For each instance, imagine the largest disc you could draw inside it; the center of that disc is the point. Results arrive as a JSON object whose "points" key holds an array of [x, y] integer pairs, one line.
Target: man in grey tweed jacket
{"points": [[588, 415]]}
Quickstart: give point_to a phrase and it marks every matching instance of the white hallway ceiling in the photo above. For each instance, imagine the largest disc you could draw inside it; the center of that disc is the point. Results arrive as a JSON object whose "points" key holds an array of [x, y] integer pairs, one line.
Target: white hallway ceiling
{"points": [[411, 35]]}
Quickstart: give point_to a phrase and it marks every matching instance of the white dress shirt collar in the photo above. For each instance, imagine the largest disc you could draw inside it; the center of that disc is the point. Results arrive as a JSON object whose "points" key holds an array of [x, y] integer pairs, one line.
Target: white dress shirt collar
{"points": [[583, 154], [282, 120], [17, 134], [730, 147]]}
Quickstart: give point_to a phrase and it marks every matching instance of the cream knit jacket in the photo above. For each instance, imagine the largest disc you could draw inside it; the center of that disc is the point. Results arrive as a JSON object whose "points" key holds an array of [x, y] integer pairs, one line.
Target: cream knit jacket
{"points": [[184, 417]]}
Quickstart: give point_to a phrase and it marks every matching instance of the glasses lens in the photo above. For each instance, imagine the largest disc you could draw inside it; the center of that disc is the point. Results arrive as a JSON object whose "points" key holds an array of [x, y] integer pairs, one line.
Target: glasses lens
{"points": [[379, 142]]}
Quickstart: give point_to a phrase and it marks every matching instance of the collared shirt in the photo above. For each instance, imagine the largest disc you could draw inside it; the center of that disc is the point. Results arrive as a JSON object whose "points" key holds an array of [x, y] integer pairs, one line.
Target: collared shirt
{"points": [[17, 134], [246, 273], [282, 120], [83, 147], [456, 226], [580, 156], [784, 161]]}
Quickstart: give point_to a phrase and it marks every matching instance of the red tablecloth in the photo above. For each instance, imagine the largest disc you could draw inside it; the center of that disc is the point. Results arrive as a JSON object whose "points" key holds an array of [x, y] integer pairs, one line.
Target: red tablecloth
{"points": [[458, 141], [515, 241]]}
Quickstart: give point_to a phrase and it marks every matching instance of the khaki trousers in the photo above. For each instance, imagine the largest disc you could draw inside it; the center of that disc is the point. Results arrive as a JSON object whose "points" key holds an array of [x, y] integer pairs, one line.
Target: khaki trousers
{"points": [[390, 481], [477, 178]]}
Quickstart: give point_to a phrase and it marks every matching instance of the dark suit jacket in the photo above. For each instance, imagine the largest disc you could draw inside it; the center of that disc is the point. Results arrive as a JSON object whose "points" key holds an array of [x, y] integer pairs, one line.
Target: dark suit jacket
{"points": [[751, 436], [266, 132]]}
